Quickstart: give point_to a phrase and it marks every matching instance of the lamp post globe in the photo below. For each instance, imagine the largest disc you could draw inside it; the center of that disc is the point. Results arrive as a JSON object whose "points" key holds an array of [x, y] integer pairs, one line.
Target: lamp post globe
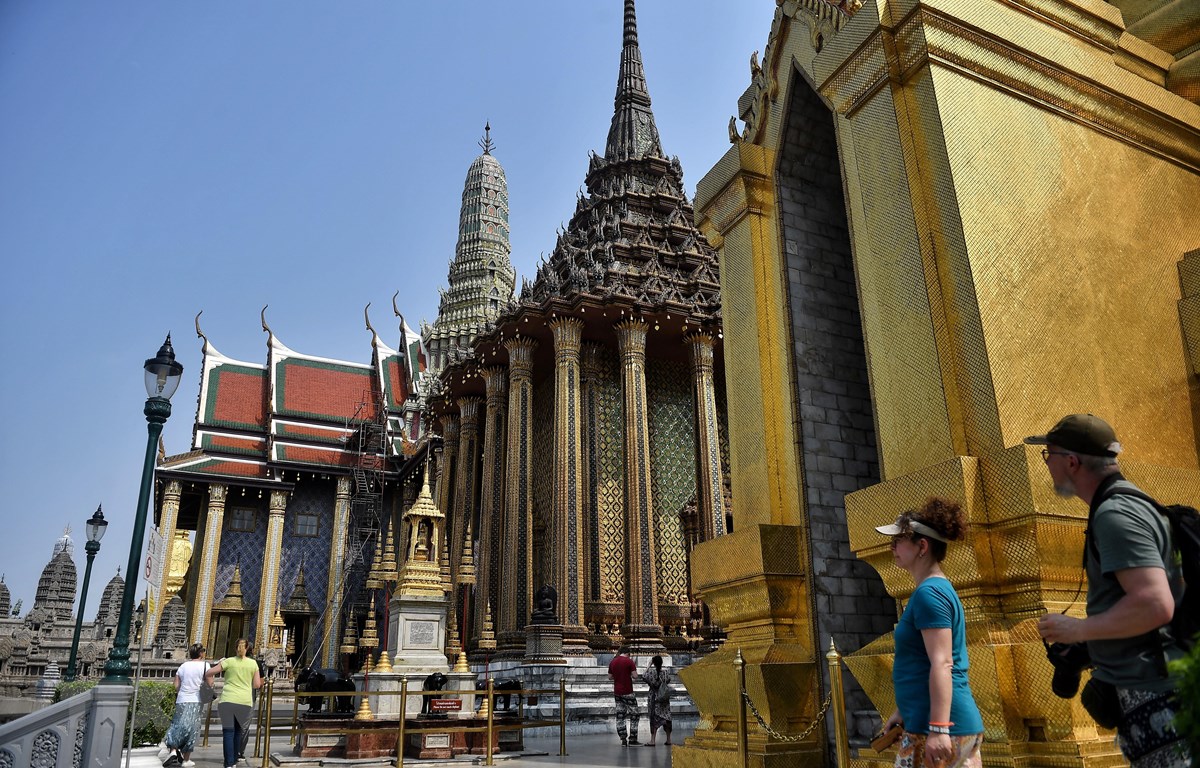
{"points": [[95, 528], [162, 379]]}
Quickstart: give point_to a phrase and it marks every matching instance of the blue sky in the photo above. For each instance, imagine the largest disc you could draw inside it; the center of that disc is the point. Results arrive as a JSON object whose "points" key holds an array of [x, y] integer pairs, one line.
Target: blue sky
{"points": [[162, 158]]}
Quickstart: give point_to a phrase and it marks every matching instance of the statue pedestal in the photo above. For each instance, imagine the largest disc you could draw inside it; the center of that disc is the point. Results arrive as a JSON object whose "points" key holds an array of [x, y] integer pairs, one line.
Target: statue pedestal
{"points": [[544, 644], [417, 634]]}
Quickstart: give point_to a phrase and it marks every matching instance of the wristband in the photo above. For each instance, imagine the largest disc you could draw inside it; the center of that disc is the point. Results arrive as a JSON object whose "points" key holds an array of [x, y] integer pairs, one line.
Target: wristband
{"points": [[945, 724], [943, 729]]}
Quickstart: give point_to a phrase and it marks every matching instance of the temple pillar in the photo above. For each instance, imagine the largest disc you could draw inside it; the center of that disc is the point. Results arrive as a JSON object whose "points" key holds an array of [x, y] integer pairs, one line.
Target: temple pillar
{"points": [[446, 470], [491, 517], [464, 479], [708, 447], [642, 629], [269, 584], [516, 561], [168, 516], [337, 562], [202, 603], [568, 484]]}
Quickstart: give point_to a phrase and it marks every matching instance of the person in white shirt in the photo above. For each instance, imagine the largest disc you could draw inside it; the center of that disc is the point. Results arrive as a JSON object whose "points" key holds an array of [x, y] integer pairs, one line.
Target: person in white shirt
{"points": [[181, 736]]}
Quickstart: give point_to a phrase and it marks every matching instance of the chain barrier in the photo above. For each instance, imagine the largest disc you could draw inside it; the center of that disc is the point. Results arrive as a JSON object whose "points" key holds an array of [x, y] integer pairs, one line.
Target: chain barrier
{"points": [[784, 737]]}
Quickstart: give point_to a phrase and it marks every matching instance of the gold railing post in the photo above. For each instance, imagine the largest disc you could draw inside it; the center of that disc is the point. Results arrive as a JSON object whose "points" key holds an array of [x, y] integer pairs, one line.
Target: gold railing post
{"points": [[267, 742], [295, 716], [739, 664], [490, 724], [207, 723], [840, 738], [562, 714], [400, 728], [258, 720]]}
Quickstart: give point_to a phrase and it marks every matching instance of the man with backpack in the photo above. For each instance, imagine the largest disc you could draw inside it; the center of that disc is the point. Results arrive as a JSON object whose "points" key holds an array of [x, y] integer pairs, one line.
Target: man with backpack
{"points": [[1134, 586]]}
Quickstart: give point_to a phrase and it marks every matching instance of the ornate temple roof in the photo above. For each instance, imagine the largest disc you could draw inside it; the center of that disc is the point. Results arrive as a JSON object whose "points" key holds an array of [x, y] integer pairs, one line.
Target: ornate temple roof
{"points": [[5, 598], [481, 278], [296, 409], [630, 249]]}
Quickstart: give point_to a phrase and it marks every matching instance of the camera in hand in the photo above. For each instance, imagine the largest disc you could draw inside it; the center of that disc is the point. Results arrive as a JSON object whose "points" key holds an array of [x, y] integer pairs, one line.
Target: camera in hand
{"points": [[1069, 660]]}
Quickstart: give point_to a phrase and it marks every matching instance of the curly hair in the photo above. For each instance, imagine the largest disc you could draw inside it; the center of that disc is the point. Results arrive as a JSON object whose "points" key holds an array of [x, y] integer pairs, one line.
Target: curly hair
{"points": [[944, 516]]}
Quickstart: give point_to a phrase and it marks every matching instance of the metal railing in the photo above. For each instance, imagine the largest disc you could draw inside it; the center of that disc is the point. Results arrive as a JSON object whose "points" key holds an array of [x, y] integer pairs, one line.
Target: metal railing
{"points": [[835, 696], [492, 727]]}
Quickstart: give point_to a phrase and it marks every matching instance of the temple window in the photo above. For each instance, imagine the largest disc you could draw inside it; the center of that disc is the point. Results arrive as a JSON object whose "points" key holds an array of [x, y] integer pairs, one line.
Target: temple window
{"points": [[242, 519], [307, 524]]}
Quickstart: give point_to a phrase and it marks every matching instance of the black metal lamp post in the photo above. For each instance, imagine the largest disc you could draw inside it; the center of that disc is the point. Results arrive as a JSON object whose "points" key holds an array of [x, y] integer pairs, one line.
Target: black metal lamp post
{"points": [[96, 526], [162, 379]]}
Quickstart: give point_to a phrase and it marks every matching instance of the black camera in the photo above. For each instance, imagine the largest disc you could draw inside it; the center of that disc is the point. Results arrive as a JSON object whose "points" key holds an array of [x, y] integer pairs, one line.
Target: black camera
{"points": [[1069, 660]]}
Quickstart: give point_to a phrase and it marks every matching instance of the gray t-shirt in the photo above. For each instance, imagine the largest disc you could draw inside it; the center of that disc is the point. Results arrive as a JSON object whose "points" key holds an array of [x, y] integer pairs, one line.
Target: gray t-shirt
{"points": [[1129, 533]]}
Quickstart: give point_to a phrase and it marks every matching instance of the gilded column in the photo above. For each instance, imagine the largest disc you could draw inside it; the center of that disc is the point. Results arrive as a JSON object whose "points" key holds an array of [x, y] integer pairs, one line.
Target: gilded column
{"points": [[337, 564], [464, 478], [708, 447], [568, 483], [590, 368], [491, 519], [202, 604], [168, 516], [516, 563], [641, 596], [464, 499], [447, 467], [268, 586]]}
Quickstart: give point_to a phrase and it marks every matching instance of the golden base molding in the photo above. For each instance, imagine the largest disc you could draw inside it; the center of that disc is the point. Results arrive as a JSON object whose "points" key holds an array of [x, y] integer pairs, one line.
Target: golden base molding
{"points": [[754, 584]]}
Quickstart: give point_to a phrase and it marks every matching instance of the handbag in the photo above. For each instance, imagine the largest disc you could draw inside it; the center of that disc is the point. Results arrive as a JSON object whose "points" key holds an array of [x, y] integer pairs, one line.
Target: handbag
{"points": [[885, 739]]}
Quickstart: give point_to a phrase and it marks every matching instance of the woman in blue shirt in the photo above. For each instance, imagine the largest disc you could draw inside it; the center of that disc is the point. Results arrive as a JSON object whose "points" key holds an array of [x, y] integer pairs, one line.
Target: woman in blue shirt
{"points": [[942, 726]]}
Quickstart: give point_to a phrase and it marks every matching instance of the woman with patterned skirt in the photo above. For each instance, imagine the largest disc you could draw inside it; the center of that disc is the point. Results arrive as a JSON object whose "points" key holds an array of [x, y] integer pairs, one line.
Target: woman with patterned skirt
{"points": [[659, 701]]}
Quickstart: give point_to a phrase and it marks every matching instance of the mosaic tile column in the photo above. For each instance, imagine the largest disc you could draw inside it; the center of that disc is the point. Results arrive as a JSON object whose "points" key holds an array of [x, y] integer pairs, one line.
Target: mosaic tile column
{"points": [[491, 518], [708, 447], [203, 602], [568, 483], [516, 562], [465, 502], [168, 516], [268, 588], [642, 630], [447, 467], [591, 368], [337, 563]]}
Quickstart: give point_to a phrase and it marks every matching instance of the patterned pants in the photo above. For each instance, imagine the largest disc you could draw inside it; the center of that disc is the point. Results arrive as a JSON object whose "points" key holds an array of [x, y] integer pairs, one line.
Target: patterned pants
{"points": [[627, 708], [1147, 732], [185, 724], [911, 752]]}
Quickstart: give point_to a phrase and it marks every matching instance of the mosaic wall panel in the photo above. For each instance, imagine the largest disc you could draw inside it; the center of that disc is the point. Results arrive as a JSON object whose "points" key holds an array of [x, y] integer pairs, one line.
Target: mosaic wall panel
{"points": [[311, 551], [543, 481], [670, 400], [608, 475], [242, 548]]}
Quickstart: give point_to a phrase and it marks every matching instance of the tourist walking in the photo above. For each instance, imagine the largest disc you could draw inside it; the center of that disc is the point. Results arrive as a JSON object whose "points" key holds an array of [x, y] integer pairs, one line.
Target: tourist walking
{"points": [[236, 702], [658, 700], [181, 736], [941, 723], [1133, 585], [621, 670]]}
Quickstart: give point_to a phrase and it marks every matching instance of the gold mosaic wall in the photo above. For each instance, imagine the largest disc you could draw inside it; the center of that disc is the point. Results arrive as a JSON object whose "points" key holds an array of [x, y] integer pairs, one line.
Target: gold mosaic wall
{"points": [[673, 462], [1020, 190]]}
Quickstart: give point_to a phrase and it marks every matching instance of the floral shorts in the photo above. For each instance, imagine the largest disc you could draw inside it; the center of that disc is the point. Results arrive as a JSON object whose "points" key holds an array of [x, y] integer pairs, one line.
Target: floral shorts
{"points": [[911, 752]]}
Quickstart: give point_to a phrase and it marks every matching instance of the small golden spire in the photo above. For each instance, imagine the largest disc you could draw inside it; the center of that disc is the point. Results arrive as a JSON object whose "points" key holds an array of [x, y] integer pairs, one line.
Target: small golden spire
{"points": [[466, 568], [374, 576], [385, 663], [487, 638]]}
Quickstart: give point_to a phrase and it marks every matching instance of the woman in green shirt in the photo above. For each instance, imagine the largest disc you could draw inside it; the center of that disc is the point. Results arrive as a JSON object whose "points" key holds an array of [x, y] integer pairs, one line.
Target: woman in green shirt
{"points": [[236, 702]]}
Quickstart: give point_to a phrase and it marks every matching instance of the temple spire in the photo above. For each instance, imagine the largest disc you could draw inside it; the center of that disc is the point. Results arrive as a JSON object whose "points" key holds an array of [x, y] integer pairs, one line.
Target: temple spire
{"points": [[633, 132], [486, 143]]}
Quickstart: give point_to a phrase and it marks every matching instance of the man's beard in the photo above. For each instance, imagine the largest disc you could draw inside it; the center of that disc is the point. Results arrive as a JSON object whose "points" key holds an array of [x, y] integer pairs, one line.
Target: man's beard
{"points": [[1066, 488]]}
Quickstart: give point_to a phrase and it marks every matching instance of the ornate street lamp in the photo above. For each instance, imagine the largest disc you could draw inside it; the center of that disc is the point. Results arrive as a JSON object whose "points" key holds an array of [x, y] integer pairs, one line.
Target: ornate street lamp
{"points": [[95, 527], [162, 379]]}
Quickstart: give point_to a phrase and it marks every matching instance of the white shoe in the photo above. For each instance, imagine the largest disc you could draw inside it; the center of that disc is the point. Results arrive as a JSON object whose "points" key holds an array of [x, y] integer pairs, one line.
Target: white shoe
{"points": [[189, 764]]}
